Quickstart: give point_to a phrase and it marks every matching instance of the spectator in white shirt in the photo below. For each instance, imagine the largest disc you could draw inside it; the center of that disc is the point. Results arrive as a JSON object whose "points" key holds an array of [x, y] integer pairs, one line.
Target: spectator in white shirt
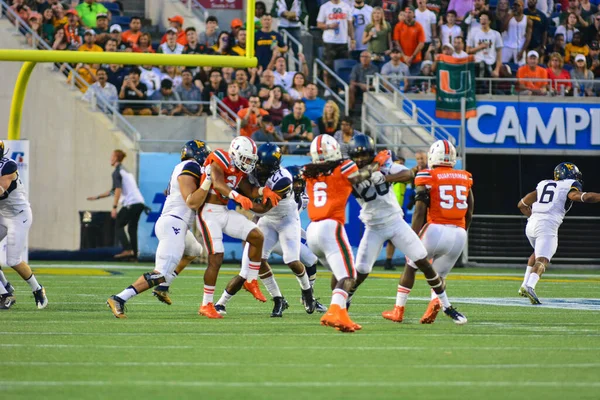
{"points": [[517, 36], [171, 46], [486, 44], [283, 77], [459, 48], [428, 21], [102, 88], [151, 76], [361, 13], [450, 30]]}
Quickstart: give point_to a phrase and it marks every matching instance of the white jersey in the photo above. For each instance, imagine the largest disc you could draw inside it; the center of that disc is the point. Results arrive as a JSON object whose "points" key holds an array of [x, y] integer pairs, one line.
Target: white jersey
{"points": [[175, 205], [426, 19], [14, 200], [281, 182], [516, 33], [331, 13], [449, 33], [487, 55], [362, 18], [378, 202], [552, 200]]}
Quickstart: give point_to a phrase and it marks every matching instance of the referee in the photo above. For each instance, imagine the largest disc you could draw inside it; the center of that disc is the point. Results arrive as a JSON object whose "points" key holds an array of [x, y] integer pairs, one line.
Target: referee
{"points": [[126, 192]]}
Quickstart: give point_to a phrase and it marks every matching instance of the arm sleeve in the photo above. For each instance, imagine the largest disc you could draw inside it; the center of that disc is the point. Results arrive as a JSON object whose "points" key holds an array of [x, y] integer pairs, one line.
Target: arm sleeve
{"points": [[348, 168], [283, 187], [191, 169], [117, 178], [423, 178], [576, 186], [9, 168]]}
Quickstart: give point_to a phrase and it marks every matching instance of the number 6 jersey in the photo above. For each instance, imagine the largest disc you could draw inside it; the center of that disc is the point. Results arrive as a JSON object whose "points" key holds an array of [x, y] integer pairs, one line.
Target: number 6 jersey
{"points": [[448, 193], [552, 201]]}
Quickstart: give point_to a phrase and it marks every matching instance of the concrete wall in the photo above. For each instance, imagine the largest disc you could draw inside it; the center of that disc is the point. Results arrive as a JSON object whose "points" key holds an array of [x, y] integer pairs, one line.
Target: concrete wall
{"points": [[70, 150]]}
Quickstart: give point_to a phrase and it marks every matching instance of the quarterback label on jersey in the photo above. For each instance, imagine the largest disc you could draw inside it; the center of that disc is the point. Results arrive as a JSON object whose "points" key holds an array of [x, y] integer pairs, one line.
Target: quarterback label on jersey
{"points": [[328, 194], [233, 176], [448, 193]]}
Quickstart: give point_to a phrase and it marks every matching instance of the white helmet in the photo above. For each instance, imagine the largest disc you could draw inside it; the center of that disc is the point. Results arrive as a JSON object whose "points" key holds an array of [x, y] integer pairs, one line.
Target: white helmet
{"points": [[242, 151], [325, 148], [442, 154]]}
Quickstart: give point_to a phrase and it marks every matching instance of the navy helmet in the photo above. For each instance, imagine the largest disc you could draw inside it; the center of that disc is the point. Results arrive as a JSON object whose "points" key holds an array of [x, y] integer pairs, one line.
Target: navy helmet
{"points": [[567, 170], [195, 149], [361, 146], [299, 184], [269, 161]]}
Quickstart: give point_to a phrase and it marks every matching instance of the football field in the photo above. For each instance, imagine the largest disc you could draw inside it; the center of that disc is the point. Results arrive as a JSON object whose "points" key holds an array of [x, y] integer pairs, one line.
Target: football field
{"points": [[509, 349]]}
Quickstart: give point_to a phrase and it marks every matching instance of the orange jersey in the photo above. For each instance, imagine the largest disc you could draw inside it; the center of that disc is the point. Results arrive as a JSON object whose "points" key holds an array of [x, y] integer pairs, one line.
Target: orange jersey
{"points": [[233, 176], [448, 192], [328, 195]]}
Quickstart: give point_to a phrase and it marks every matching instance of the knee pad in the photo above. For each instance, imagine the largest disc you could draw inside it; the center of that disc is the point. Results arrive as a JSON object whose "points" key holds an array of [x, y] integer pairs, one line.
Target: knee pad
{"points": [[312, 272], [153, 279]]}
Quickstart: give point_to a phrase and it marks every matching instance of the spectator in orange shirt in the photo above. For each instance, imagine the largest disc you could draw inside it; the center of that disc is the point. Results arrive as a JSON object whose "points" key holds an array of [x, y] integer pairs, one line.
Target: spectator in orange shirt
{"points": [[251, 117], [410, 36], [177, 23], [73, 30], [132, 35], [144, 44], [532, 71]]}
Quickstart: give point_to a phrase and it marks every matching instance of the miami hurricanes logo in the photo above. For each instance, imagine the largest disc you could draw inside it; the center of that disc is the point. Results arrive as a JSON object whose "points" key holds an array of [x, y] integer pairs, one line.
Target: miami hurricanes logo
{"points": [[446, 87]]}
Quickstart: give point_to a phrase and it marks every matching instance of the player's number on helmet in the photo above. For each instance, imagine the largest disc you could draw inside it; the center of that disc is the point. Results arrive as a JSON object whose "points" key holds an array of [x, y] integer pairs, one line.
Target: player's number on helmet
{"points": [[453, 196], [320, 192]]}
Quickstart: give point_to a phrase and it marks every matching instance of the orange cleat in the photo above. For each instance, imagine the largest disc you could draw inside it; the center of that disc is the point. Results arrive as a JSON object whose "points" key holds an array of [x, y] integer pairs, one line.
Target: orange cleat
{"points": [[337, 318], [209, 311], [345, 320], [253, 288], [432, 311], [395, 315]]}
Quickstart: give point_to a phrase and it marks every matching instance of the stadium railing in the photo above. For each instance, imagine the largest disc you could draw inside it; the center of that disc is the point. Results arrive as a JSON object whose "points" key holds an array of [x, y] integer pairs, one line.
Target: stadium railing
{"points": [[319, 66], [288, 40], [501, 238], [231, 119], [196, 8]]}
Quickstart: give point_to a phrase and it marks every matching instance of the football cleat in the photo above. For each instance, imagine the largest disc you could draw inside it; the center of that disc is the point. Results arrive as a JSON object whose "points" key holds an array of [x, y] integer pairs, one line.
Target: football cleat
{"points": [[221, 309], [40, 298], [162, 294], [209, 311], [530, 294], [388, 266], [6, 301], [522, 291], [432, 311], [308, 301], [117, 306], [320, 307], [337, 318], [396, 315], [253, 288], [11, 292], [457, 317], [280, 306]]}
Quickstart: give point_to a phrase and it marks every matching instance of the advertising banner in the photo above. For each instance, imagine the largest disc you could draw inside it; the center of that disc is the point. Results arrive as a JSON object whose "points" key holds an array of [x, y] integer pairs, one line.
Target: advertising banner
{"points": [[222, 4], [18, 150]]}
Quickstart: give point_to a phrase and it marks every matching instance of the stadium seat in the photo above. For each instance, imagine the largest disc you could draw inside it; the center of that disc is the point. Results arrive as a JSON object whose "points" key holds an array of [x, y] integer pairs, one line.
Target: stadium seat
{"points": [[113, 8], [343, 68], [121, 20]]}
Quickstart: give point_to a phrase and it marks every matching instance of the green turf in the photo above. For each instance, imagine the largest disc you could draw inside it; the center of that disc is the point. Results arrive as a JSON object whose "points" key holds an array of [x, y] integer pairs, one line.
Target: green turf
{"points": [[76, 349]]}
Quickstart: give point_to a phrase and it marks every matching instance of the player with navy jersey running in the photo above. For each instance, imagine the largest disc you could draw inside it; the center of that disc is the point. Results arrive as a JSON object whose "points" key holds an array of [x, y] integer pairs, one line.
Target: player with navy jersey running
{"points": [[173, 228], [278, 224], [15, 221], [546, 207]]}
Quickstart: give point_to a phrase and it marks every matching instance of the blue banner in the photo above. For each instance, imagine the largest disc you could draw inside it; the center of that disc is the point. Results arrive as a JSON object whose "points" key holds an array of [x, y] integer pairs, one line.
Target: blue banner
{"points": [[155, 171], [523, 125]]}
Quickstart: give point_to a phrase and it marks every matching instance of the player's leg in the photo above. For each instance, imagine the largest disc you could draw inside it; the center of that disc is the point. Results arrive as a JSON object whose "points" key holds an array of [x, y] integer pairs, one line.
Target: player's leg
{"points": [[530, 263], [4, 283], [390, 249], [280, 304], [191, 252], [132, 226], [123, 219], [531, 236], [171, 234], [545, 248], [444, 244], [211, 220], [329, 237], [17, 229], [369, 248], [270, 240]]}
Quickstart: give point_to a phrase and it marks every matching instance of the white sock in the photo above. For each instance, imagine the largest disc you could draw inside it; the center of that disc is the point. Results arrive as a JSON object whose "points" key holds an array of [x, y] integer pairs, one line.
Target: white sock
{"points": [[169, 279], [33, 283], [303, 280], [253, 268], [271, 286], [312, 280], [533, 280], [444, 300], [402, 296], [3, 280], [127, 293], [433, 295], [527, 273], [209, 292], [225, 297], [339, 297], [3, 290]]}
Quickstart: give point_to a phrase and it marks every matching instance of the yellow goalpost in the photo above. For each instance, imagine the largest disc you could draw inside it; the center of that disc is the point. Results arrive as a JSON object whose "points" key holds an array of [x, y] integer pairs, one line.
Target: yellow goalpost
{"points": [[32, 57]]}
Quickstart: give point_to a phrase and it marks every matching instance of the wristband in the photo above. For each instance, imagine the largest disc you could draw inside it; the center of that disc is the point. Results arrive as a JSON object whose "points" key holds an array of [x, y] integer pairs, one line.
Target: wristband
{"points": [[114, 207], [206, 184], [525, 204], [583, 194], [233, 194], [260, 191]]}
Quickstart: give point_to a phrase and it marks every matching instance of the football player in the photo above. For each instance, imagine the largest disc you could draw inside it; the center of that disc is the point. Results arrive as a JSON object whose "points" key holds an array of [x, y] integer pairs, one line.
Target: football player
{"points": [[546, 207], [173, 228], [15, 221], [229, 171], [279, 224], [443, 211]]}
